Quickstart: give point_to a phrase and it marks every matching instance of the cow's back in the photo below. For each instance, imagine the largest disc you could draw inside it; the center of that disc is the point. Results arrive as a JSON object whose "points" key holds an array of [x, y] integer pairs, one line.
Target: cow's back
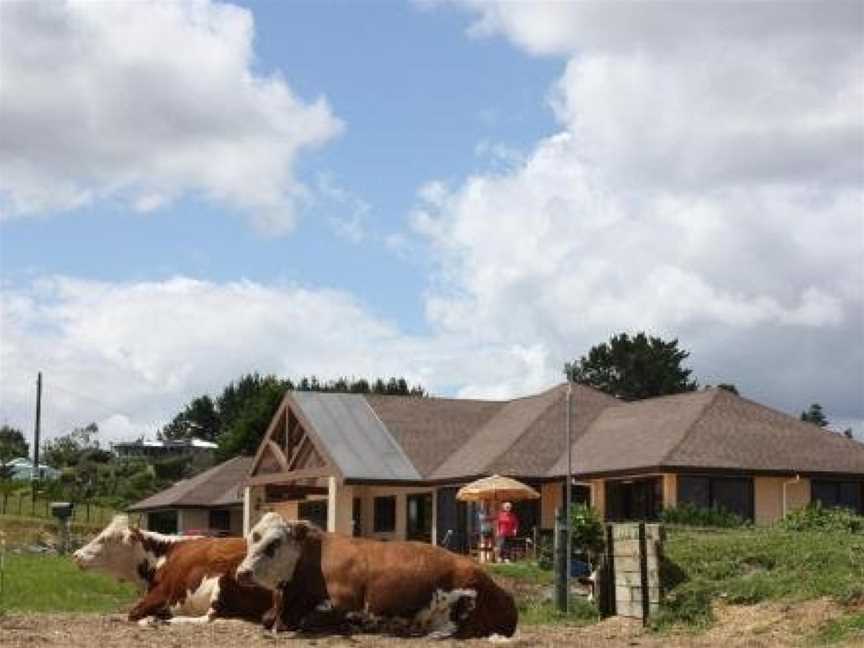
{"points": [[199, 565], [416, 580]]}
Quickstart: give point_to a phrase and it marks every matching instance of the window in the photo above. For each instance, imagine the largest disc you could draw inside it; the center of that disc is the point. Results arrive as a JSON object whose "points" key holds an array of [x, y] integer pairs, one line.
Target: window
{"points": [[837, 494], [385, 514], [634, 499], [314, 511], [732, 494], [420, 517], [220, 520], [357, 517], [162, 522]]}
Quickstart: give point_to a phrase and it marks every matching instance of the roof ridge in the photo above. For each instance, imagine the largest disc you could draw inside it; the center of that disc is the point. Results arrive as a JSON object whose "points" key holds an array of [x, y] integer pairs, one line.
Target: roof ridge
{"points": [[705, 407], [811, 426], [528, 425]]}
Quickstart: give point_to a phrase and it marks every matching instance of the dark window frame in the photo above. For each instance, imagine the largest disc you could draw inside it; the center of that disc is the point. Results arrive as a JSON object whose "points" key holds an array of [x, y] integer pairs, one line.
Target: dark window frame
{"points": [[314, 511], [710, 485], [837, 496], [384, 514], [413, 527], [219, 519]]}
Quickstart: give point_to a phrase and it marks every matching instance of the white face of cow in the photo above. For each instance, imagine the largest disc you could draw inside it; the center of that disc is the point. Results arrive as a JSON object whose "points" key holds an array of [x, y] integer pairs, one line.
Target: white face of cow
{"points": [[273, 549], [115, 550]]}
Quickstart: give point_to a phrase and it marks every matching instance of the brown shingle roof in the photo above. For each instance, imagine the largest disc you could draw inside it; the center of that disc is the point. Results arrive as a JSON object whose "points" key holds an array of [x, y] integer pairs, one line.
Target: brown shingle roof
{"points": [[708, 429], [734, 432], [431, 429], [218, 486], [634, 435], [542, 446]]}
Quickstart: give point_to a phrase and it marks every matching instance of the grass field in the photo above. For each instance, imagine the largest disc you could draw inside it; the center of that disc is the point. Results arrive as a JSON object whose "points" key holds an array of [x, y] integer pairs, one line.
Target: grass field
{"points": [[749, 566], [40, 583]]}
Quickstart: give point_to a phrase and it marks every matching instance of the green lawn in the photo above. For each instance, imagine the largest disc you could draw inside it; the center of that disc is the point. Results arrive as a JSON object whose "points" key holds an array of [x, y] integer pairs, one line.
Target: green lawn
{"points": [[746, 566], [40, 583]]}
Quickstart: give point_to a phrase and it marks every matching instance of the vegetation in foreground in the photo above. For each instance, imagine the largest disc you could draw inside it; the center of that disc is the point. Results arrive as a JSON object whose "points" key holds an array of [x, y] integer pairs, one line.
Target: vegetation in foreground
{"points": [[751, 565], [531, 585], [48, 583]]}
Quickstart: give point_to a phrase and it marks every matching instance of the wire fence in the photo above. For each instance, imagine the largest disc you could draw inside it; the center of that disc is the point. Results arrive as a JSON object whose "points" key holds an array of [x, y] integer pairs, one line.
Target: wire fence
{"points": [[22, 504]]}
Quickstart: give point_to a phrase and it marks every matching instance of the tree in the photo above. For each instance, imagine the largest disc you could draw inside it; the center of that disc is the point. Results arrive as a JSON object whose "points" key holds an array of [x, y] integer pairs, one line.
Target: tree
{"points": [[73, 448], [12, 444], [634, 368], [815, 415], [199, 419], [728, 387]]}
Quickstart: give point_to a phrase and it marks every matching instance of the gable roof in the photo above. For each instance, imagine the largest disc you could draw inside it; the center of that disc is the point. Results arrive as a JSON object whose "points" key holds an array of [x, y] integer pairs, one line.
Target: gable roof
{"points": [[356, 439], [218, 486], [412, 439]]}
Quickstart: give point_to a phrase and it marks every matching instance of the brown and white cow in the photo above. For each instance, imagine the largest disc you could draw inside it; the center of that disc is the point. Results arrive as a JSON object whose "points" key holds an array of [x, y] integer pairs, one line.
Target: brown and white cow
{"points": [[404, 587], [185, 579]]}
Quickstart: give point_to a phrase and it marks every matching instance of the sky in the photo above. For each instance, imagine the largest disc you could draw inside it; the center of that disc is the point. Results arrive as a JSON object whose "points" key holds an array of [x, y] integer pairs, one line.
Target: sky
{"points": [[467, 194]]}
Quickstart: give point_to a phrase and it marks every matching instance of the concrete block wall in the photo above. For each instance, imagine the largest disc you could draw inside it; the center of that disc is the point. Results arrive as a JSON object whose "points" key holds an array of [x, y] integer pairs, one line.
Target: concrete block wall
{"points": [[627, 575]]}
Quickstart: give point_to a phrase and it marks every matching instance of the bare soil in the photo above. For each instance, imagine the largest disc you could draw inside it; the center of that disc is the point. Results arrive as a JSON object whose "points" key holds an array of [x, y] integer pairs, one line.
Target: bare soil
{"points": [[758, 626]]}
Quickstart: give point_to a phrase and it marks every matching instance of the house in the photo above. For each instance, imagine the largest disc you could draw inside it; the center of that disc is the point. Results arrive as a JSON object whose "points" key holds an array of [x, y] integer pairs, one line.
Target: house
{"points": [[210, 502], [21, 469], [389, 466], [163, 449]]}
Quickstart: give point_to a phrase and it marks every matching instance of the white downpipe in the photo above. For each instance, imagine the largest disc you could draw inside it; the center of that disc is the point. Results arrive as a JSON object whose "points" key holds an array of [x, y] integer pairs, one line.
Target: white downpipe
{"points": [[785, 484]]}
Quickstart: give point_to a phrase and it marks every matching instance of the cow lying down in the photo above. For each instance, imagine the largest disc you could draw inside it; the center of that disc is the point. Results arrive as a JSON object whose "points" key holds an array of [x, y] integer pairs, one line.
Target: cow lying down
{"points": [[412, 588], [184, 579]]}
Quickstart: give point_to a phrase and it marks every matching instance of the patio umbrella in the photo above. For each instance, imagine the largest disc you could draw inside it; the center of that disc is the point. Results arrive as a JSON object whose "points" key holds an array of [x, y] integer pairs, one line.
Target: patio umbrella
{"points": [[496, 488]]}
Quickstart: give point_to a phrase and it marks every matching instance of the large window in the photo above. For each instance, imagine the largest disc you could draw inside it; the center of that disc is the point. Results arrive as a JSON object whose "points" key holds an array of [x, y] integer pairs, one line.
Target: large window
{"points": [[732, 494], [220, 519], [384, 520], [634, 499], [837, 494], [162, 521], [314, 511], [419, 517]]}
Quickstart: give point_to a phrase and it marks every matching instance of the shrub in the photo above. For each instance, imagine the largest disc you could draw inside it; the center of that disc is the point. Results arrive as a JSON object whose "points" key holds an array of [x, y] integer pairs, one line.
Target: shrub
{"points": [[691, 515], [816, 518], [587, 530], [545, 554]]}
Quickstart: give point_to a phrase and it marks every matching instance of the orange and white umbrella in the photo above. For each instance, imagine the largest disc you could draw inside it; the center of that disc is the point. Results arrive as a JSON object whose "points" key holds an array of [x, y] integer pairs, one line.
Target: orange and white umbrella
{"points": [[497, 489]]}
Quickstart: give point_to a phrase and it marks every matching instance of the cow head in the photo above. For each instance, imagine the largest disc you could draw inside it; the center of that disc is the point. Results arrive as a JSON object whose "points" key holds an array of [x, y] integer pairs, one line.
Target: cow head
{"points": [[117, 550], [274, 547]]}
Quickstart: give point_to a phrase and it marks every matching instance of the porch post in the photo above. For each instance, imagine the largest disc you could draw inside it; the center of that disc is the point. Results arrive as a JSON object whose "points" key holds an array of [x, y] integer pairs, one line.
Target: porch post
{"points": [[332, 500], [247, 510]]}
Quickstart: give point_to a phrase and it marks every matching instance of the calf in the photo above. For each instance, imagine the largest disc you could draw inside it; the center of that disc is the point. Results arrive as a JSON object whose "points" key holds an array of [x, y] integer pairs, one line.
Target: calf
{"points": [[185, 579], [405, 587]]}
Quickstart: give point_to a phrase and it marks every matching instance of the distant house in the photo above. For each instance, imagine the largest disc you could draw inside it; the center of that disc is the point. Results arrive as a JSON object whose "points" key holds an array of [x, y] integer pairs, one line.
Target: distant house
{"points": [[390, 466], [22, 470], [210, 502], [163, 449]]}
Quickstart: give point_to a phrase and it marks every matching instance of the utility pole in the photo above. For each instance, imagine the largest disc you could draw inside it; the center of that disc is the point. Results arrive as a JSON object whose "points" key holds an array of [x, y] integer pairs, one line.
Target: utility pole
{"points": [[35, 474], [563, 523], [569, 487]]}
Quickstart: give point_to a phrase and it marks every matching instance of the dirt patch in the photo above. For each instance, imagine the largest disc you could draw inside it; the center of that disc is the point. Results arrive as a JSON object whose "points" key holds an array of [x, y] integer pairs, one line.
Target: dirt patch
{"points": [[757, 626]]}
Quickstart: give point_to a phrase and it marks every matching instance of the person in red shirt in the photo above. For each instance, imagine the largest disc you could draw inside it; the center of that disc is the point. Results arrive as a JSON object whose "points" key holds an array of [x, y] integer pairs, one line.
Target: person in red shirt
{"points": [[508, 527]]}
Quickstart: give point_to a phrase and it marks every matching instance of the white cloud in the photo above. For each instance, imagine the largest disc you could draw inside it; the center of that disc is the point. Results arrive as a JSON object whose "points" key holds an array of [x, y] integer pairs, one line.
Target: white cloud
{"points": [[145, 102], [129, 355], [706, 183]]}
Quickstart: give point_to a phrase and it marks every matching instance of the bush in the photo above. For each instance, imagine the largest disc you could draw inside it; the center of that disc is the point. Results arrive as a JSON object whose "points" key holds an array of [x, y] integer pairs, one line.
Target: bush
{"points": [[816, 518], [587, 530], [545, 554], [691, 515]]}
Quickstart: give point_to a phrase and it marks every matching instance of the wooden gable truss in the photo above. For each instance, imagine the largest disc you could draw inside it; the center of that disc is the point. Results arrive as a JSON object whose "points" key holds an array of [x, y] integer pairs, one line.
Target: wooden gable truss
{"points": [[290, 454]]}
